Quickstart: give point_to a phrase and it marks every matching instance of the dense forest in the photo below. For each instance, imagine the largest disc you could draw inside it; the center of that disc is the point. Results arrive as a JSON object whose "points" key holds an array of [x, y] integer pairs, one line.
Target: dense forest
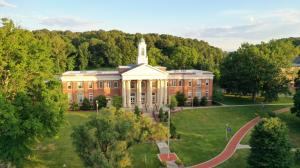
{"points": [[97, 49]]}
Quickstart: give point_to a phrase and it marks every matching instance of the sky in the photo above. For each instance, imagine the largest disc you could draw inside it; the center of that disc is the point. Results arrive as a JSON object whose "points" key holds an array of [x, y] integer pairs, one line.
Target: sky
{"points": [[222, 23]]}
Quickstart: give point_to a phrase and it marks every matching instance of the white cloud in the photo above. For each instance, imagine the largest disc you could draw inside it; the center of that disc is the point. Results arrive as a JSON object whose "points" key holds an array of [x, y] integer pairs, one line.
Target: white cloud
{"points": [[3, 3], [258, 26], [68, 23]]}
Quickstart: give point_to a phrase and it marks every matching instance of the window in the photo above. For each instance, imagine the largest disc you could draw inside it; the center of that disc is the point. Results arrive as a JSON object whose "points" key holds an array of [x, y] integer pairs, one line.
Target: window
{"points": [[116, 84], [180, 83], [207, 82], [153, 98], [100, 84], [190, 94], [173, 82], [69, 85], [80, 98], [109, 84], [90, 85], [132, 98], [79, 85], [132, 84], [91, 97], [190, 83], [70, 97], [198, 92], [143, 98], [206, 93], [199, 82]]}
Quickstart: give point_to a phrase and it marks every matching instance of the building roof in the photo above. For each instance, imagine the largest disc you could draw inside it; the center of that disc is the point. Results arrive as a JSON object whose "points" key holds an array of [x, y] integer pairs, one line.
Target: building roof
{"points": [[190, 71], [80, 73]]}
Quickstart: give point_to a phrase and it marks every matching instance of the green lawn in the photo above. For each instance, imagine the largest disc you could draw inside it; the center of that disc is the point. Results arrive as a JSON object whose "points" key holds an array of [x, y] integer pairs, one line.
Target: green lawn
{"points": [[203, 130], [57, 151], [293, 123], [235, 100]]}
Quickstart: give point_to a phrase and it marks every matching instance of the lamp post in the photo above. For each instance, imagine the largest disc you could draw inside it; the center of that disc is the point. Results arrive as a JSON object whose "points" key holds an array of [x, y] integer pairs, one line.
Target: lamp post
{"points": [[97, 106]]}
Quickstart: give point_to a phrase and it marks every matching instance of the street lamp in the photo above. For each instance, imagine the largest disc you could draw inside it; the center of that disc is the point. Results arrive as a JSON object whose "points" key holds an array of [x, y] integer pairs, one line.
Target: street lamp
{"points": [[97, 106]]}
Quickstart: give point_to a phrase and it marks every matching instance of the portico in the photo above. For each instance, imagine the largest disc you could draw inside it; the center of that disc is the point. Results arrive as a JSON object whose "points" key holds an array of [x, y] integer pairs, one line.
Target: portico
{"points": [[144, 86]]}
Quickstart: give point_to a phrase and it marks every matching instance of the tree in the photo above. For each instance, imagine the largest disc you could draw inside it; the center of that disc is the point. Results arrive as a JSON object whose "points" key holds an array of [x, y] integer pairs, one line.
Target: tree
{"points": [[203, 101], [102, 102], [117, 101], [269, 140], [173, 103], [254, 69], [31, 102], [217, 94], [180, 97], [296, 98], [86, 105], [84, 55], [104, 140], [196, 101]]}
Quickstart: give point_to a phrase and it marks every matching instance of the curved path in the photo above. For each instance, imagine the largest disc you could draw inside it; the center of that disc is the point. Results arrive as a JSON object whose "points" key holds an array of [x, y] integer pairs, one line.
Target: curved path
{"points": [[230, 147]]}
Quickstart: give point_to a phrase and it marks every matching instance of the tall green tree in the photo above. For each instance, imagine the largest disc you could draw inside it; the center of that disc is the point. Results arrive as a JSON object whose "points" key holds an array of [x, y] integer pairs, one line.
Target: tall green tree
{"points": [[254, 69], [269, 144], [84, 55], [296, 108], [104, 141], [31, 102]]}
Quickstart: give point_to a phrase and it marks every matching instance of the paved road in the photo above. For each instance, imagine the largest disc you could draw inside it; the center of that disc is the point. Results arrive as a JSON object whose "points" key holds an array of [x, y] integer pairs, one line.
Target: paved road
{"points": [[231, 146]]}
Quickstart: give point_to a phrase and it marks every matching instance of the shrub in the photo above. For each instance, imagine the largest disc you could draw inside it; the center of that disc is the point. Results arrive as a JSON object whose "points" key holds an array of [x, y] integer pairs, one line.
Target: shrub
{"points": [[166, 116], [272, 114], [117, 102], [173, 103], [173, 131], [102, 102], [75, 106], [137, 111], [178, 161], [163, 163], [161, 115], [180, 97], [217, 95], [86, 105], [196, 101], [203, 101]]}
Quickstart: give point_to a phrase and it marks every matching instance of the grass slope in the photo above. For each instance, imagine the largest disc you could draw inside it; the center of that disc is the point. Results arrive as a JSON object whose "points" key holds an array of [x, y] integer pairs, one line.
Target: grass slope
{"points": [[236, 100], [203, 130]]}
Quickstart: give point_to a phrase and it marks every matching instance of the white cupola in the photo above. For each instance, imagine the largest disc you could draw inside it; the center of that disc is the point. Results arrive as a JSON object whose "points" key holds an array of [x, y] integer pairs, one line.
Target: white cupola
{"points": [[142, 53]]}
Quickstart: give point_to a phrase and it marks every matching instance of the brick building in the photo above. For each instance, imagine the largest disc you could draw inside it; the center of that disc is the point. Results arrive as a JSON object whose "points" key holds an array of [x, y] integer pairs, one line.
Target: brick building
{"points": [[141, 84]]}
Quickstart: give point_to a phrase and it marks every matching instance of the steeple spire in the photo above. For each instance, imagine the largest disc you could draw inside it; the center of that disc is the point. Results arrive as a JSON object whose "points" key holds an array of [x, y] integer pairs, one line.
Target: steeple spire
{"points": [[142, 52]]}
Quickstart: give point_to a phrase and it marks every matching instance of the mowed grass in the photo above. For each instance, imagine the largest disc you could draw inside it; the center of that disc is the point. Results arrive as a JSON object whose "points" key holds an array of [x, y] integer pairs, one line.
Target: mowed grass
{"points": [[240, 100], [203, 130], [293, 123], [59, 151]]}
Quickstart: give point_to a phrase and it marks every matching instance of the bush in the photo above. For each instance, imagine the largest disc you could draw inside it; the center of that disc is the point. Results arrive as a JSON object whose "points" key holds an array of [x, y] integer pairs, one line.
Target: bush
{"points": [[203, 101], [137, 111], [86, 105], [74, 107], [196, 101], [272, 114], [163, 163], [117, 102], [180, 97], [161, 115], [102, 102], [173, 103], [217, 95], [173, 132], [178, 161]]}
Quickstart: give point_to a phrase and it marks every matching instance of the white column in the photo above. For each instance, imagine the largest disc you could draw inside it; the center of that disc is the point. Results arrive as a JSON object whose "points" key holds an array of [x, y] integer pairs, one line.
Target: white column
{"points": [[165, 92], [128, 92], [158, 93], [124, 93], [161, 92], [138, 93], [149, 93]]}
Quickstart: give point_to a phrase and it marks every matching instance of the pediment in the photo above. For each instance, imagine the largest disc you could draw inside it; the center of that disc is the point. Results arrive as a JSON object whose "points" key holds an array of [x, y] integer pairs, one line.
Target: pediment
{"points": [[144, 72]]}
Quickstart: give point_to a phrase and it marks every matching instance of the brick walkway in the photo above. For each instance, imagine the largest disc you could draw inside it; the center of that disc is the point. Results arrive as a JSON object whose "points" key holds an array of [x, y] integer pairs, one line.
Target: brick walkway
{"points": [[231, 146]]}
